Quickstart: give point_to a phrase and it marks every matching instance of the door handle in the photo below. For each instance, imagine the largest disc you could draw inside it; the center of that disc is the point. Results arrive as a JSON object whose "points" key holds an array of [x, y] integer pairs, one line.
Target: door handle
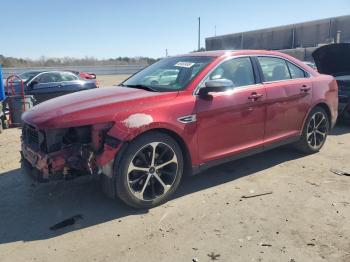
{"points": [[255, 96], [305, 89]]}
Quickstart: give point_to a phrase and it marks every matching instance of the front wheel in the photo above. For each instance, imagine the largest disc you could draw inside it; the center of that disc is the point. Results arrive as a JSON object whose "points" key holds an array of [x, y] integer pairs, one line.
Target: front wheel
{"points": [[149, 171], [315, 131]]}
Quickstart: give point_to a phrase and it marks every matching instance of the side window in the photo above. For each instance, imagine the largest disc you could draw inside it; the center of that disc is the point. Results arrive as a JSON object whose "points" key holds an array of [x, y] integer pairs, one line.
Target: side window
{"points": [[238, 70], [274, 69], [66, 76], [44, 78], [48, 78], [295, 71]]}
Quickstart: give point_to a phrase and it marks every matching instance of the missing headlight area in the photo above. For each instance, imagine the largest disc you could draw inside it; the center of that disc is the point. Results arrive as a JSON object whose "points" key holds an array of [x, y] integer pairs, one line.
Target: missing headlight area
{"points": [[68, 152]]}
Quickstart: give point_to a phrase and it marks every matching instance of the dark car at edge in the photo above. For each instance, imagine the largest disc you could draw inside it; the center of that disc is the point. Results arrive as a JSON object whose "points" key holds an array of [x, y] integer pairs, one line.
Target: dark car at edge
{"points": [[334, 60]]}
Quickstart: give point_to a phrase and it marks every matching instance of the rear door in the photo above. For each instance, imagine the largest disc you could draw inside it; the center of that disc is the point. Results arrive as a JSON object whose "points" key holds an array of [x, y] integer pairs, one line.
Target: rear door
{"points": [[288, 97], [231, 122], [70, 83]]}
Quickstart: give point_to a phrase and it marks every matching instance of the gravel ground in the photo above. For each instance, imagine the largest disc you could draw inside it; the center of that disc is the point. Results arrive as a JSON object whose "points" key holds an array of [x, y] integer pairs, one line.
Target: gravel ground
{"points": [[110, 80], [306, 218]]}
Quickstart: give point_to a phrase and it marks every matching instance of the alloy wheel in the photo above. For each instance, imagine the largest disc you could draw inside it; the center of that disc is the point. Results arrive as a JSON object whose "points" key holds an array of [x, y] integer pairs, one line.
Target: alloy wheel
{"points": [[317, 130], [152, 171]]}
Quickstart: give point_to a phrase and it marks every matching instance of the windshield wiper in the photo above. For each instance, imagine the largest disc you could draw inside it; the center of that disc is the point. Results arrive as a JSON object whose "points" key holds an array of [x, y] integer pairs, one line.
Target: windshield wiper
{"points": [[141, 87]]}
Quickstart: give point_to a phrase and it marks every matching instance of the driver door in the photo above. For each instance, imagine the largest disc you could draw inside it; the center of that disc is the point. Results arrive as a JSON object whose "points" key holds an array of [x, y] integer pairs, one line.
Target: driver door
{"points": [[232, 122], [45, 86]]}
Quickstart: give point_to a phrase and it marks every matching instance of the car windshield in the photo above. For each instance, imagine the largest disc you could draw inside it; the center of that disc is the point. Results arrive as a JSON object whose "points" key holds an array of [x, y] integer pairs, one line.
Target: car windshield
{"points": [[27, 75], [168, 74]]}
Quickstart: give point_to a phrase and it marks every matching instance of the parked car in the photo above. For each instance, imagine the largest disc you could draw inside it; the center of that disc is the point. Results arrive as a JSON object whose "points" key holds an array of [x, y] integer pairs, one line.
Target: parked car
{"points": [[161, 77], [45, 85], [140, 139], [334, 60], [83, 75]]}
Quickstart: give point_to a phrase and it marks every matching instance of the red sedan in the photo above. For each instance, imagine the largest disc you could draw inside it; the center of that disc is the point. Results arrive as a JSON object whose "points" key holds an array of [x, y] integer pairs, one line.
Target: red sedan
{"points": [[84, 75], [141, 137]]}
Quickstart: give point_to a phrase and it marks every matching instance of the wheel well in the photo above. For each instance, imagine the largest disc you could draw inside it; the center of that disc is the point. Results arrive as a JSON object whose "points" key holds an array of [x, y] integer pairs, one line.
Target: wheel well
{"points": [[182, 144], [328, 111]]}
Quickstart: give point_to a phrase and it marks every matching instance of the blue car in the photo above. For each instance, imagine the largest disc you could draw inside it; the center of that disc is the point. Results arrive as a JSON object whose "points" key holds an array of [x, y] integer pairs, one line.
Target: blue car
{"points": [[44, 85]]}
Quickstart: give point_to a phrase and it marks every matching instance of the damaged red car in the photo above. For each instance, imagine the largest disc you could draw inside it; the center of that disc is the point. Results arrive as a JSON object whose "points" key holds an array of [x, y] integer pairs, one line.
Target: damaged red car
{"points": [[141, 137]]}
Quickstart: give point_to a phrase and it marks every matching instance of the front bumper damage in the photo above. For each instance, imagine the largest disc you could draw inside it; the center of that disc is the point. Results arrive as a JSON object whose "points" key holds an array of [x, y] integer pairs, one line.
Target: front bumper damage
{"points": [[70, 162]]}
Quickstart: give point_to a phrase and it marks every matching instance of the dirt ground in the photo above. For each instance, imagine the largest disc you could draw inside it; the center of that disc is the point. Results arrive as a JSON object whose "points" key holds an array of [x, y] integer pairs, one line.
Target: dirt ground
{"points": [[306, 218], [110, 80]]}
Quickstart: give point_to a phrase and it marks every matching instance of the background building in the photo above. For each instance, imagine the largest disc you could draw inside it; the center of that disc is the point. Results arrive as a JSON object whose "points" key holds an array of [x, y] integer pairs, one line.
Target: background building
{"points": [[298, 40]]}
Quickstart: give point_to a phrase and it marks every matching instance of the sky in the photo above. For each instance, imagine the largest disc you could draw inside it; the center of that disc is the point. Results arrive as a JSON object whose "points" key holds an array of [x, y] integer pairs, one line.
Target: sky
{"points": [[108, 29]]}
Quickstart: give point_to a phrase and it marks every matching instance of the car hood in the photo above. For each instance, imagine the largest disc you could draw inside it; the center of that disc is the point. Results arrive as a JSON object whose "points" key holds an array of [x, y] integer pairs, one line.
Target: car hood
{"points": [[93, 106], [333, 59]]}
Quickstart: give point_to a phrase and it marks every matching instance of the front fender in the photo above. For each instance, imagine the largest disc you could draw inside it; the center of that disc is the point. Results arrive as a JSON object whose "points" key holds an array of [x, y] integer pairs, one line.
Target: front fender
{"points": [[129, 127]]}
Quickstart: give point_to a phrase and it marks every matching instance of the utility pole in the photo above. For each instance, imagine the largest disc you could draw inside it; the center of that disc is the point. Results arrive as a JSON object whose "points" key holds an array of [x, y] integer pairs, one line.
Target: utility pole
{"points": [[338, 37], [166, 52], [199, 33]]}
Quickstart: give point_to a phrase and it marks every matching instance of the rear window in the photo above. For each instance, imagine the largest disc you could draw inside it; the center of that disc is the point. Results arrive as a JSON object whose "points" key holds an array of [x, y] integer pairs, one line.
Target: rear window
{"points": [[295, 71], [274, 69], [66, 76]]}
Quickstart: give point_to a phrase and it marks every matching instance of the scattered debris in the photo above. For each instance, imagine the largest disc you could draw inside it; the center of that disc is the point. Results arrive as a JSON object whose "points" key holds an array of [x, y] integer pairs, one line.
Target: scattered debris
{"points": [[256, 195], [311, 244], [312, 183], [194, 248], [339, 172], [266, 245], [67, 222], [195, 260], [214, 256]]}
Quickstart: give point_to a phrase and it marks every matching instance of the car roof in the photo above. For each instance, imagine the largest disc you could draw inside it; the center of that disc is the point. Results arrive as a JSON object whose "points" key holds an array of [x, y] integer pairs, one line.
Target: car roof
{"points": [[228, 53], [33, 71], [219, 53], [47, 71]]}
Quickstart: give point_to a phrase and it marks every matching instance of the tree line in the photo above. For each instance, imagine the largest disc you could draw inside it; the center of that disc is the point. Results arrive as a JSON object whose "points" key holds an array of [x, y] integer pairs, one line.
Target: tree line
{"points": [[43, 61]]}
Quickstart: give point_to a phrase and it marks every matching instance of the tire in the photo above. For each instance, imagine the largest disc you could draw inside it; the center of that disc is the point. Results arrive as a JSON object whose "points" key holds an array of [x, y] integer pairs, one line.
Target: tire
{"points": [[315, 131], [155, 183]]}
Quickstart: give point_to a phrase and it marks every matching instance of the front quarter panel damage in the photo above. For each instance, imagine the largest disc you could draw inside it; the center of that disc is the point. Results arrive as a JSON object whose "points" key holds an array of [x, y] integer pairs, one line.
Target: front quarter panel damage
{"points": [[137, 120]]}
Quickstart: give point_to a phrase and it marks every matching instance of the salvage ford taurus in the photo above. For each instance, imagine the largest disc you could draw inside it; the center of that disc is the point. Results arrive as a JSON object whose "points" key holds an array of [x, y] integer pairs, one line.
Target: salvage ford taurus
{"points": [[141, 138]]}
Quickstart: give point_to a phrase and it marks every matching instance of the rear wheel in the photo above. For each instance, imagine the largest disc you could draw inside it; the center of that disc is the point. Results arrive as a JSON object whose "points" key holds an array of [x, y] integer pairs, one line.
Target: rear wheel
{"points": [[315, 131], [150, 170]]}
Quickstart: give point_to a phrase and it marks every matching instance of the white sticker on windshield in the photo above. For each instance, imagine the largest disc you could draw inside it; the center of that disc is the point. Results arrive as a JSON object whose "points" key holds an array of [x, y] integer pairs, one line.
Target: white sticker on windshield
{"points": [[185, 64]]}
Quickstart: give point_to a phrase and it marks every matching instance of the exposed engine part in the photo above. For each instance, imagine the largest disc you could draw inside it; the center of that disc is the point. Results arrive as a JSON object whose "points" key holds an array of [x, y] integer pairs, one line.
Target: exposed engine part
{"points": [[70, 152]]}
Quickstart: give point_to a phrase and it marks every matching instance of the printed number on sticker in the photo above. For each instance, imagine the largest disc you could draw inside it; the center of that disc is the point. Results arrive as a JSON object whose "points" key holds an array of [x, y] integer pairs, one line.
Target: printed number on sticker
{"points": [[184, 64]]}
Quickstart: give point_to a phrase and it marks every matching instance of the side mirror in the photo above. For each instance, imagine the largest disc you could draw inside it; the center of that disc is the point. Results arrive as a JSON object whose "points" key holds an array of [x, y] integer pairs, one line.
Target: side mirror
{"points": [[215, 86], [33, 83]]}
